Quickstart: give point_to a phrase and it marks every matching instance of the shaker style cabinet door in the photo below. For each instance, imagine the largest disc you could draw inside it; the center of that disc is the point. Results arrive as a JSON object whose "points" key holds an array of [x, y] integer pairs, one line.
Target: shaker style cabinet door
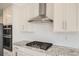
{"points": [[7, 16], [78, 17], [50, 11], [65, 17], [31, 10], [71, 17], [59, 17], [22, 13]]}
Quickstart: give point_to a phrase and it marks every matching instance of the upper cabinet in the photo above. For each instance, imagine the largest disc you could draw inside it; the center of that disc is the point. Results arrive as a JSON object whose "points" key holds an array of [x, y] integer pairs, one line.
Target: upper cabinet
{"points": [[50, 10], [65, 17], [78, 17], [71, 17], [22, 13], [30, 11], [7, 16], [59, 18]]}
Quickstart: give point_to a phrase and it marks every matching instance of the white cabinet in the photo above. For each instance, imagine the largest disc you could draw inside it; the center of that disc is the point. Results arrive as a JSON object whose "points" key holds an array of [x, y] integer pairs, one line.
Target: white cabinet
{"points": [[7, 53], [78, 17], [24, 12], [7, 16], [23, 51], [71, 17], [31, 10], [65, 17], [63, 14], [50, 10], [59, 17]]}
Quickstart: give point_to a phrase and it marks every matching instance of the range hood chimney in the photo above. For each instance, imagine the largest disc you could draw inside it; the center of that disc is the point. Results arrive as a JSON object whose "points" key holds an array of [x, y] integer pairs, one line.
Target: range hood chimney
{"points": [[42, 15]]}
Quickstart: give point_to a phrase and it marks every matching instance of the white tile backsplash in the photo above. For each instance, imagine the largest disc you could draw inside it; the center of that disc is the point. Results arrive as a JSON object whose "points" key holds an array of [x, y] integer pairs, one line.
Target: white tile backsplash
{"points": [[43, 33]]}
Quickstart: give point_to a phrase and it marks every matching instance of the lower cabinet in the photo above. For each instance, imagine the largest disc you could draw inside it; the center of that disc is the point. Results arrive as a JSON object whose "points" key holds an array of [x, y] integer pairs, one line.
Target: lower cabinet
{"points": [[22, 53], [55, 51], [7, 53], [19, 51]]}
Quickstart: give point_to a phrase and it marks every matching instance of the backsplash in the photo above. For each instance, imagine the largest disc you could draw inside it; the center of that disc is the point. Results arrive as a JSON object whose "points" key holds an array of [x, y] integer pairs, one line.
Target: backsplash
{"points": [[69, 39]]}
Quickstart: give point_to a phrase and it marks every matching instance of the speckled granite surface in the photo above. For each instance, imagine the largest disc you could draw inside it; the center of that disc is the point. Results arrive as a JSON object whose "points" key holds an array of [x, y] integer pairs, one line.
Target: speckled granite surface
{"points": [[55, 50]]}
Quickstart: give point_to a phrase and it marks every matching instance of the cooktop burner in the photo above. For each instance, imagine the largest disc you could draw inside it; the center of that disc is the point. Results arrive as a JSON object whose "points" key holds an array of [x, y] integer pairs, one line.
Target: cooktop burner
{"points": [[40, 45]]}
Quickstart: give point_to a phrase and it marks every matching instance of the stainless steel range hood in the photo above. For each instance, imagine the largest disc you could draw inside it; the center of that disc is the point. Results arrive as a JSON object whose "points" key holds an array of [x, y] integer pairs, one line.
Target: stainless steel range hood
{"points": [[42, 15]]}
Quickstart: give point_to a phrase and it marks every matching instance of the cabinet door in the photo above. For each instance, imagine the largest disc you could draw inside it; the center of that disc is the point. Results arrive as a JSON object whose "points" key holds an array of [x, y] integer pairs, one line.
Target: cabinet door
{"points": [[4, 16], [50, 10], [71, 17], [65, 17], [22, 13], [7, 16], [22, 53], [30, 11], [59, 17], [7, 53], [78, 17]]}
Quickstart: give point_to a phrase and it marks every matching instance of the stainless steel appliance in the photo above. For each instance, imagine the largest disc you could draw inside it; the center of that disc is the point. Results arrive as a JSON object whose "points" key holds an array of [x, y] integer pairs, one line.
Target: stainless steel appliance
{"points": [[7, 37], [1, 39], [42, 15], [40, 45]]}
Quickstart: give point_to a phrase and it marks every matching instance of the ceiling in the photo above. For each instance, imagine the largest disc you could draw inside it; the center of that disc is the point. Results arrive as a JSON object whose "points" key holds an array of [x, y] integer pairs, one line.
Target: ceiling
{"points": [[4, 5]]}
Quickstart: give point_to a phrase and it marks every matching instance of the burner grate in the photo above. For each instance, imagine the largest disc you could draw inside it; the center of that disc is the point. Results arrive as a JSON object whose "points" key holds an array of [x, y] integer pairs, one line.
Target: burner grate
{"points": [[40, 45]]}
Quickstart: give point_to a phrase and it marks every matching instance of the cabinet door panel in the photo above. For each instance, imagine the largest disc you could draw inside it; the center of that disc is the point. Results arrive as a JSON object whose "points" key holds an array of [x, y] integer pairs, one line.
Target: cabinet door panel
{"points": [[59, 17], [78, 17], [30, 11], [7, 16], [71, 17], [50, 10], [65, 17], [23, 13]]}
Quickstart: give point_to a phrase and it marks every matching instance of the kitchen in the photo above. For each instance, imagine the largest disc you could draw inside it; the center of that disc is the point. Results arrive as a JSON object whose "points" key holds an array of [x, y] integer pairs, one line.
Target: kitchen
{"points": [[61, 29]]}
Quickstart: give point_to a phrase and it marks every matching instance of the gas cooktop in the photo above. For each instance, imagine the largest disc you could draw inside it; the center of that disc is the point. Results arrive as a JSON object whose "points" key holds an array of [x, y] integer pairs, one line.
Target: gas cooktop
{"points": [[40, 45]]}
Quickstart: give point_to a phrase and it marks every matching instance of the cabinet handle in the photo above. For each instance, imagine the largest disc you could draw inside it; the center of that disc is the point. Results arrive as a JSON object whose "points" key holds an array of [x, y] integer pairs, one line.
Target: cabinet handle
{"points": [[63, 25], [16, 53]]}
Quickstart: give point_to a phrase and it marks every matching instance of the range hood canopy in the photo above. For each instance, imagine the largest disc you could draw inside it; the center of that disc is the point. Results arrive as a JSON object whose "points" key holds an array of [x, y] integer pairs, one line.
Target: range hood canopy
{"points": [[42, 15]]}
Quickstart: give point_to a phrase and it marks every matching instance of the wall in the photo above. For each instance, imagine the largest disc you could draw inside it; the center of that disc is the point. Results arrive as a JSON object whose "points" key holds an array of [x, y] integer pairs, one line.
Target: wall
{"points": [[1, 40], [1, 37], [60, 38], [1, 15]]}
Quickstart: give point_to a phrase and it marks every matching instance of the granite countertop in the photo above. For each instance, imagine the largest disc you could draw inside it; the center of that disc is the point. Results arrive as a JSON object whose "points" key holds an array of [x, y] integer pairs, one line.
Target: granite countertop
{"points": [[23, 44], [54, 50]]}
